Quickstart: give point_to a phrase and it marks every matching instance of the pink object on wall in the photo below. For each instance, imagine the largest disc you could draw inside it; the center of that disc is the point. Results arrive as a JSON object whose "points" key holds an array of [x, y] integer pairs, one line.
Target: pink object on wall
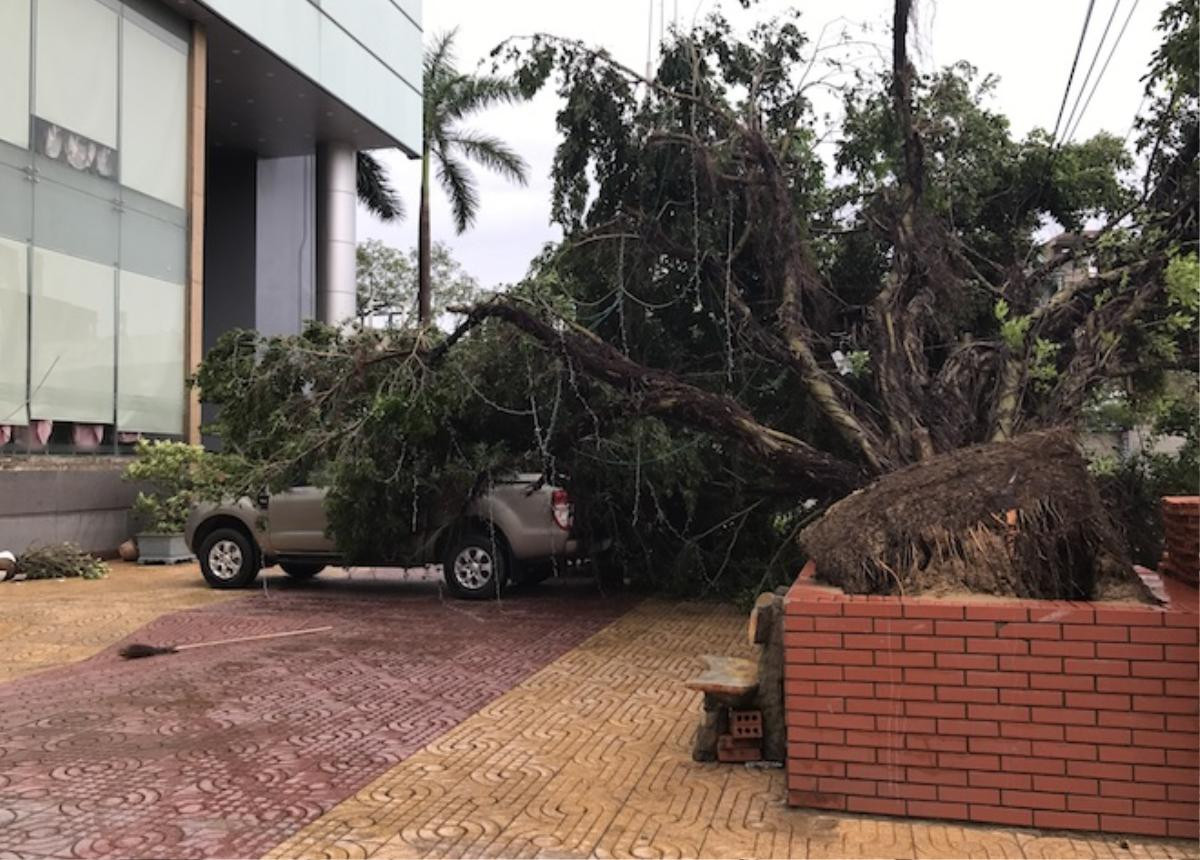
{"points": [[87, 437], [36, 434], [5, 433]]}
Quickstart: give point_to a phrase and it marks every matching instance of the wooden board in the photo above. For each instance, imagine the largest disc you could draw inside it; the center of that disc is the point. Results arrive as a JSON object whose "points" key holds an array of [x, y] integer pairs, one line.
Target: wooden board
{"points": [[726, 676]]}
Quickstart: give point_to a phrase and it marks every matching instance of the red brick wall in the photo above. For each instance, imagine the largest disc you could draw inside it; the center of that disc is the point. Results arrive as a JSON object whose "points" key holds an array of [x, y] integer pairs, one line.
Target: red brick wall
{"points": [[1033, 713]]}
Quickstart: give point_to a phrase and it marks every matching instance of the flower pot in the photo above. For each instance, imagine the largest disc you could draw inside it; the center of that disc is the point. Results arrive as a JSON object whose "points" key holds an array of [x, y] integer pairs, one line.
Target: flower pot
{"points": [[162, 549], [128, 551]]}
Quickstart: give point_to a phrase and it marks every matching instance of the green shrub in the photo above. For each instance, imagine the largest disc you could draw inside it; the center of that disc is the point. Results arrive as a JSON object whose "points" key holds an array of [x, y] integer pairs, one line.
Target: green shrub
{"points": [[1132, 487], [177, 476]]}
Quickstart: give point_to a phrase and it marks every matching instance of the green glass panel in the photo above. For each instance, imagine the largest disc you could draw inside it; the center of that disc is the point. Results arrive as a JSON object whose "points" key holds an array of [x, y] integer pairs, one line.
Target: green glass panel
{"points": [[14, 295], [150, 373]]}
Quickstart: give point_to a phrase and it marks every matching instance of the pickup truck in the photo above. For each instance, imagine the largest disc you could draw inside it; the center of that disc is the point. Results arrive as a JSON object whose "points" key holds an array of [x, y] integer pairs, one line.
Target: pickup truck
{"points": [[514, 530]]}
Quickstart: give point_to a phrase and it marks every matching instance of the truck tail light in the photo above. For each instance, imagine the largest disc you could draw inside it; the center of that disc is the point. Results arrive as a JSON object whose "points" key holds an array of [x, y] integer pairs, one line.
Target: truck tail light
{"points": [[564, 515]]}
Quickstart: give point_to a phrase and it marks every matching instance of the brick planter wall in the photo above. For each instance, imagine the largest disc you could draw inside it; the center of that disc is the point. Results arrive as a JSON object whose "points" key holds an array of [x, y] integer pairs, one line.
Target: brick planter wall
{"points": [[1022, 712]]}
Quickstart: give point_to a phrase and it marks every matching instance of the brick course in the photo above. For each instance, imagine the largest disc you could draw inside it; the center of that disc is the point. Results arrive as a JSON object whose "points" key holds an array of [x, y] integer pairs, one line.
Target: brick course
{"points": [[1054, 714]]}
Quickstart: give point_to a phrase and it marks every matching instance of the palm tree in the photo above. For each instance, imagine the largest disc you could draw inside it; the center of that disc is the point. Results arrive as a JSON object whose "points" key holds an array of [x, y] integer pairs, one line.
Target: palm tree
{"points": [[450, 97]]}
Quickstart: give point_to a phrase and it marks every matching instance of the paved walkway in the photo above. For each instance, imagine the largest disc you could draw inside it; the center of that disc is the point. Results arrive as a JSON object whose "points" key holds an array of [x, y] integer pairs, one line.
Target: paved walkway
{"points": [[52, 622], [590, 757], [551, 725], [226, 751]]}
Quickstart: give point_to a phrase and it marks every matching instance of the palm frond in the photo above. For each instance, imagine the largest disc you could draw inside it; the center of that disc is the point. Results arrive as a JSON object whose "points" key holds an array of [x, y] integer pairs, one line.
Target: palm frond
{"points": [[375, 189], [460, 188], [439, 56], [472, 93], [492, 153]]}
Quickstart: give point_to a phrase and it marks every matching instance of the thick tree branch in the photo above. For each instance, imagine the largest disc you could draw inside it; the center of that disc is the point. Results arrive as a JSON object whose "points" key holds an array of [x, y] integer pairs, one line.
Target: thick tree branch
{"points": [[793, 347], [899, 338], [656, 392]]}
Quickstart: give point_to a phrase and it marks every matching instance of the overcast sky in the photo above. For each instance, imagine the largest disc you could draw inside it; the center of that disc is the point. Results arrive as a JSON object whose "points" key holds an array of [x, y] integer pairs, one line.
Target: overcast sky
{"points": [[1029, 44]]}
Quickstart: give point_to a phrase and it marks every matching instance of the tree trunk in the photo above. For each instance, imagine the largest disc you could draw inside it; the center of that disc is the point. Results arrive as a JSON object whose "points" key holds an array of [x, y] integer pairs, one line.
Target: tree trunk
{"points": [[424, 252]]}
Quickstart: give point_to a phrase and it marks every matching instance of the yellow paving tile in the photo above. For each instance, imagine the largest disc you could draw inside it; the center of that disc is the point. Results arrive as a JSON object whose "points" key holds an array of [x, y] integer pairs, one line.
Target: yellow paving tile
{"points": [[49, 623], [590, 757]]}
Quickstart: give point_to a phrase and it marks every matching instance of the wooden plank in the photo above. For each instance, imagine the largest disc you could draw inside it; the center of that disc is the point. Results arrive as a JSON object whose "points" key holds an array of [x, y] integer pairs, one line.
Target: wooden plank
{"points": [[726, 676], [194, 332]]}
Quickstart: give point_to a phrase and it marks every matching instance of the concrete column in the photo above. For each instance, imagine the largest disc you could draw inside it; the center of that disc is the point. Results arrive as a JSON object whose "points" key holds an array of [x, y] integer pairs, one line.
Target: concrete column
{"points": [[337, 198]]}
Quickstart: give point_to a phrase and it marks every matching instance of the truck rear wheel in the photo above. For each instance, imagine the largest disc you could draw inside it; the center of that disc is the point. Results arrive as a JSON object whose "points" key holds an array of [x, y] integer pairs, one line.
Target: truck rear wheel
{"points": [[300, 570], [475, 566], [228, 559]]}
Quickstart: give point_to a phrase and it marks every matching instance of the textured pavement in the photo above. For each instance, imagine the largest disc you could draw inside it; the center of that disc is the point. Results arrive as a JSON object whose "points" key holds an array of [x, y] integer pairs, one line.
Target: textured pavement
{"points": [[224, 752], [553, 724], [591, 757], [51, 622]]}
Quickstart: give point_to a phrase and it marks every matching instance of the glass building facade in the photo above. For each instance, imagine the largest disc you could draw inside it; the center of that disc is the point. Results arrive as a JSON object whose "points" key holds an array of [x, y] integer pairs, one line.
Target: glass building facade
{"points": [[93, 226]]}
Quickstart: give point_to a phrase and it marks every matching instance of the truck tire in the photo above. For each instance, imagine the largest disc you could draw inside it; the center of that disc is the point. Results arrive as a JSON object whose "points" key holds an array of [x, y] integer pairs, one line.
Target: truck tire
{"points": [[475, 565], [229, 559], [301, 570]]}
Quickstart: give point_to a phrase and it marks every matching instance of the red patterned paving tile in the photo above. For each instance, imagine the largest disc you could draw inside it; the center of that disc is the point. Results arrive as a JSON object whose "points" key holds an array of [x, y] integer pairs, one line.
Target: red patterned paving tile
{"points": [[227, 751]]}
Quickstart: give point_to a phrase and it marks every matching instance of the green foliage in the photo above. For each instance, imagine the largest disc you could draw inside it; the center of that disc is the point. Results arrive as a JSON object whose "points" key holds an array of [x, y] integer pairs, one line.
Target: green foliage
{"points": [[1183, 284], [1013, 329], [1132, 485], [387, 283], [668, 212], [59, 561], [860, 362], [992, 187], [1043, 370], [177, 476]]}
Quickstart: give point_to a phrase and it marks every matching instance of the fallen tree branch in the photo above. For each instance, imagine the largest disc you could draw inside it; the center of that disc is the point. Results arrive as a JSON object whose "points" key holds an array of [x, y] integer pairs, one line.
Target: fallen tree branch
{"points": [[657, 392]]}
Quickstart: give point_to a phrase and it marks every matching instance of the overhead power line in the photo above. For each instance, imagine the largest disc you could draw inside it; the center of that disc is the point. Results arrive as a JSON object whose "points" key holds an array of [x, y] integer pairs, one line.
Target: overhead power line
{"points": [[1136, 116], [1091, 68], [1074, 63], [1103, 69]]}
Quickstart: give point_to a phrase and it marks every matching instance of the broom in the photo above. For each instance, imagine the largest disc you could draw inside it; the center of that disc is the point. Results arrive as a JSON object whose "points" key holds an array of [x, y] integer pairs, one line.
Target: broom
{"points": [[137, 650]]}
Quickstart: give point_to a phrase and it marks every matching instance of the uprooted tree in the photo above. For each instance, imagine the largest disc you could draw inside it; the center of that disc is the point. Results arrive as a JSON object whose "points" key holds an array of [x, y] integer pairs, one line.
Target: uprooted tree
{"points": [[727, 337]]}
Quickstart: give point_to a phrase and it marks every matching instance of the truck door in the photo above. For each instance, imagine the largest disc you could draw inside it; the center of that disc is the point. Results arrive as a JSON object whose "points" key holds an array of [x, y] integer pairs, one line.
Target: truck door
{"points": [[297, 522]]}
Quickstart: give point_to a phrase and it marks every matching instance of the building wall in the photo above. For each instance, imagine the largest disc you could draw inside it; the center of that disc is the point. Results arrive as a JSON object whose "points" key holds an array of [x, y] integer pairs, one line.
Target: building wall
{"points": [[259, 256], [93, 241], [366, 53], [46, 502], [229, 251], [286, 260], [1027, 713]]}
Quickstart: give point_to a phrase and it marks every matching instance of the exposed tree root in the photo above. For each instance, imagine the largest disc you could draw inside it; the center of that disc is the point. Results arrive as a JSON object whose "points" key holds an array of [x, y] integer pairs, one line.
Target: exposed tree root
{"points": [[1019, 518]]}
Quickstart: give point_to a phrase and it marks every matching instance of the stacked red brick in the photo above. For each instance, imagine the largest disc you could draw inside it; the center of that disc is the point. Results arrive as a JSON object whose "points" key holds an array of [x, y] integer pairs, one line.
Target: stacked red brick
{"points": [[1181, 538], [1031, 713], [743, 741]]}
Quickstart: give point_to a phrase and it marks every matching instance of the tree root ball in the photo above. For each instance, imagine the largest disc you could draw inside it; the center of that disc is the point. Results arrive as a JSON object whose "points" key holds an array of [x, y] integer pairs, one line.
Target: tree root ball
{"points": [[1020, 518]]}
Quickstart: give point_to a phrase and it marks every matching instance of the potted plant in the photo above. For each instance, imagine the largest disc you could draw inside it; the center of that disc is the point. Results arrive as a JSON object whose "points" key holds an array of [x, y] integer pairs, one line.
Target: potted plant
{"points": [[175, 477]]}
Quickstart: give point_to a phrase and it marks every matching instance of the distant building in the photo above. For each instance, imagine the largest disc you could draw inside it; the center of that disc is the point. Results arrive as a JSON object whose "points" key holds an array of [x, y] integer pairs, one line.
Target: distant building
{"points": [[170, 169], [1076, 271]]}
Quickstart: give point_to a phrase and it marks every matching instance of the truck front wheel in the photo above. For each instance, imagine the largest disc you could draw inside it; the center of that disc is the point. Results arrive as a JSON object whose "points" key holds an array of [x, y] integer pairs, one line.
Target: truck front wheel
{"points": [[228, 559]]}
